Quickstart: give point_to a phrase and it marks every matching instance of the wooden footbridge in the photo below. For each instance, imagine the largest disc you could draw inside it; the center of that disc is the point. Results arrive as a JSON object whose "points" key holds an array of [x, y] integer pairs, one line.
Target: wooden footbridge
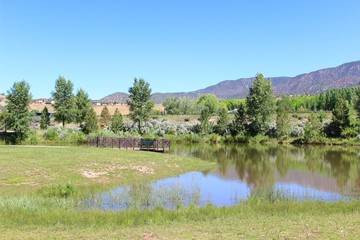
{"points": [[144, 144]]}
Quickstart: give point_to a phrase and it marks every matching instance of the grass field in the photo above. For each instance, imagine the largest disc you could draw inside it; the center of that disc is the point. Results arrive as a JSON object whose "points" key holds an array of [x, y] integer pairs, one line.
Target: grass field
{"points": [[26, 173], [248, 221], [26, 169]]}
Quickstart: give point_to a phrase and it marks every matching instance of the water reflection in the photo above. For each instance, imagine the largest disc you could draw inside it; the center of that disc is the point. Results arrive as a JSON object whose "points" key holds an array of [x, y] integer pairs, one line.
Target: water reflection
{"points": [[321, 173], [325, 168]]}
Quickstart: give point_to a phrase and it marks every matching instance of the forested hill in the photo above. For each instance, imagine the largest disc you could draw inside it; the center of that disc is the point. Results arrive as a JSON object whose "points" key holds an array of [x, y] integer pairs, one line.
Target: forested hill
{"points": [[345, 75]]}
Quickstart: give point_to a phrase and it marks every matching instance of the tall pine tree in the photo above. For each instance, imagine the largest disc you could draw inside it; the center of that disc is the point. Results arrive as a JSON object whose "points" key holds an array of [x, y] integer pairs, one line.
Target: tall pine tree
{"points": [[45, 118], [17, 117], [83, 105], [105, 117], [117, 124]]}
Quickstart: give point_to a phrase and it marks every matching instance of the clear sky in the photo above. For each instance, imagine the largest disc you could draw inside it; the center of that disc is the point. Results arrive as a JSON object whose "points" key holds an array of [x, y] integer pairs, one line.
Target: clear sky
{"points": [[174, 45]]}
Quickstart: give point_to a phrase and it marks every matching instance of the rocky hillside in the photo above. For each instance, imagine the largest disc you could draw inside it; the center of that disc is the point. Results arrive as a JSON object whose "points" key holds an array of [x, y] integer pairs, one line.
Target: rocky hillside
{"points": [[117, 97], [346, 75]]}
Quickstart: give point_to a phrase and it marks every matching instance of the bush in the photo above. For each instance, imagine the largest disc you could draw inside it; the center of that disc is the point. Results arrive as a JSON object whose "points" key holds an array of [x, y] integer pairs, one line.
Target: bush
{"points": [[350, 132], [60, 191], [78, 137], [32, 138], [297, 131], [51, 134]]}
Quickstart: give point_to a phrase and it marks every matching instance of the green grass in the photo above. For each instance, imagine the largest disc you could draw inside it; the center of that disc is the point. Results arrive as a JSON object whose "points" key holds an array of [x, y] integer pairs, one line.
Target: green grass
{"points": [[282, 220], [29, 169], [40, 188]]}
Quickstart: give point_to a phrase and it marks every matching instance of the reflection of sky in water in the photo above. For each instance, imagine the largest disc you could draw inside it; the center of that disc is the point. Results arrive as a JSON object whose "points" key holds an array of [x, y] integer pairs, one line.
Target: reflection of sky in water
{"points": [[308, 193], [212, 189]]}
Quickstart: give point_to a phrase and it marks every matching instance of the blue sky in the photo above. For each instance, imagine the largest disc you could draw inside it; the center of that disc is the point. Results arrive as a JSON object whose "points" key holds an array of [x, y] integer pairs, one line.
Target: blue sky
{"points": [[174, 45]]}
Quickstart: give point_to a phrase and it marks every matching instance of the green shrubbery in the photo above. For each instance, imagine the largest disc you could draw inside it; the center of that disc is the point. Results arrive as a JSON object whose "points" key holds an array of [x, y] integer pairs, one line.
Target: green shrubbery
{"points": [[59, 191]]}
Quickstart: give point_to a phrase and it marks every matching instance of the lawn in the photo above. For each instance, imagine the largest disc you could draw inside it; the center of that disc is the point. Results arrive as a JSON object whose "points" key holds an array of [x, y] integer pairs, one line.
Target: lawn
{"points": [[26, 169], [26, 213]]}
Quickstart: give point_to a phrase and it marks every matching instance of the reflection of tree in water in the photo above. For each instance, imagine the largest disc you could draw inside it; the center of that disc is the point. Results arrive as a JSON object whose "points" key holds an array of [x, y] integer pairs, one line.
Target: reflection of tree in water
{"points": [[314, 158], [257, 164], [356, 186], [252, 164], [283, 159], [340, 167]]}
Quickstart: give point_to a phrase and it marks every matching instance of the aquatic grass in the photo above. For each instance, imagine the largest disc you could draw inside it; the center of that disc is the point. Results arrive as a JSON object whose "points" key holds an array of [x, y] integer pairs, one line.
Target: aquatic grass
{"points": [[144, 196], [271, 195]]}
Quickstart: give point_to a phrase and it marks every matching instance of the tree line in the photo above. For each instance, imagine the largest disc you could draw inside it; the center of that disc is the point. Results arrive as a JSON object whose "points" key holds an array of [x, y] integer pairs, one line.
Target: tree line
{"points": [[72, 108], [260, 114]]}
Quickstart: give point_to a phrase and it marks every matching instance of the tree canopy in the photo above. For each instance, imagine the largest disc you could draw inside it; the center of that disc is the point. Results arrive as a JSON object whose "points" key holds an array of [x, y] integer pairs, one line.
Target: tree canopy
{"points": [[45, 118], [83, 104], [64, 101], [140, 103], [105, 117], [260, 104], [17, 117], [117, 124]]}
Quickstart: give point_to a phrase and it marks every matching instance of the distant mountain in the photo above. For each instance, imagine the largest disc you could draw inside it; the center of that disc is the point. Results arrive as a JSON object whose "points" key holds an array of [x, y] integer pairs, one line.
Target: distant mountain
{"points": [[117, 97], [345, 75]]}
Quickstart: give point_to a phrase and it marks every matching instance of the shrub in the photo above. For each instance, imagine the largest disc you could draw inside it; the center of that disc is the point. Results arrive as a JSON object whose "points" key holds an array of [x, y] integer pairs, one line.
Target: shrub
{"points": [[297, 131], [32, 138], [350, 132], [60, 191], [51, 134]]}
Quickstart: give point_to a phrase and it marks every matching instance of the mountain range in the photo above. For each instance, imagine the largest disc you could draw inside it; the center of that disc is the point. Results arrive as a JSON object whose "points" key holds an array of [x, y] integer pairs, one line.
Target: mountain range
{"points": [[345, 75]]}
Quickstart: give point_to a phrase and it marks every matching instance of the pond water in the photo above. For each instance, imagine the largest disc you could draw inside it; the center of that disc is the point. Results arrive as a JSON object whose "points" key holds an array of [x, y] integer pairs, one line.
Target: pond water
{"points": [[321, 173]]}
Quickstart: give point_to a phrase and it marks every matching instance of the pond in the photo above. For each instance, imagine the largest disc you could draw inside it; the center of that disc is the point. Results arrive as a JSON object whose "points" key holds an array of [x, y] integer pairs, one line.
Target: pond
{"points": [[318, 173]]}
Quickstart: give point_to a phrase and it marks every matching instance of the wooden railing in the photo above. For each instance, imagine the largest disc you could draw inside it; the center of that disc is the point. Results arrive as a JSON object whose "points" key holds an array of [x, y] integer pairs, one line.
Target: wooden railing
{"points": [[149, 144]]}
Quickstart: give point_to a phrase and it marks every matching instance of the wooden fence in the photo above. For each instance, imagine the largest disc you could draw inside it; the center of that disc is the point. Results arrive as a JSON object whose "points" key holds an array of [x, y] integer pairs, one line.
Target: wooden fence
{"points": [[147, 144]]}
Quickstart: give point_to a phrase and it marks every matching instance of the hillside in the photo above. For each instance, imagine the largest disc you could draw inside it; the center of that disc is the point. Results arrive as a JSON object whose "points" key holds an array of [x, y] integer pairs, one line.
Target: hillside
{"points": [[2, 101], [345, 75]]}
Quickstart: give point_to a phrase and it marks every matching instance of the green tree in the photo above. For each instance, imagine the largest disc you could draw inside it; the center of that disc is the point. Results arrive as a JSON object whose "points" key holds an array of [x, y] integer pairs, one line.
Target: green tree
{"points": [[210, 102], [209, 106], [17, 116], [140, 104], [282, 118], [172, 106], [64, 101], [45, 118], [340, 119], [91, 122], [357, 101], [239, 124], [205, 125], [313, 128], [260, 104], [105, 117], [83, 104], [187, 106], [117, 124], [223, 122]]}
